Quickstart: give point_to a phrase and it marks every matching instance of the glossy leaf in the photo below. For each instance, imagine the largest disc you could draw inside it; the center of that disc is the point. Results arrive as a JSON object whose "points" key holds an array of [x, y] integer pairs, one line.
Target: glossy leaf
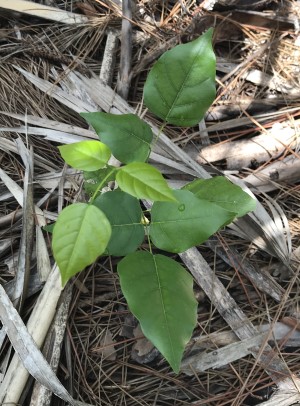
{"points": [[127, 136], [143, 181], [175, 227], [85, 155], [80, 235], [181, 85], [159, 292], [224, 193], [124, 214]]}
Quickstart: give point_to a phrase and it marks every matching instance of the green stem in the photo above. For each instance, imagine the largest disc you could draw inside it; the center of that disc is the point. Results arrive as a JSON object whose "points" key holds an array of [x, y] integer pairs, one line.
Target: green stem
{"points": [[148, 238], [146, 226], [101, 184], [158, 134]]}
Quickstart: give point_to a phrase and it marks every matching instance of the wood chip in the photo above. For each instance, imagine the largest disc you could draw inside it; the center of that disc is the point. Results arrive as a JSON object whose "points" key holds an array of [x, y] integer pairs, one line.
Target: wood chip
{"points": [[52, 347], [27, 350], [257, 150]]}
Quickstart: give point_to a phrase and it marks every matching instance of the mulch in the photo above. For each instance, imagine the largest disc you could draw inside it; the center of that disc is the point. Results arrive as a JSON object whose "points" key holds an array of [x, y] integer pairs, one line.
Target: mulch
{"points": [[50, 71]]}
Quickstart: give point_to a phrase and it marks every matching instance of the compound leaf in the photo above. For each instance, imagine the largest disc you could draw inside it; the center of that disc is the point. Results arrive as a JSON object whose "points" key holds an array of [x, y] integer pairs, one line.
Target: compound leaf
{"points": [[81, 233], [224, 193], [124, 214], [159, 292], [127, 136], [143, 181], [175, 227], [85, 155], [181, 85]]}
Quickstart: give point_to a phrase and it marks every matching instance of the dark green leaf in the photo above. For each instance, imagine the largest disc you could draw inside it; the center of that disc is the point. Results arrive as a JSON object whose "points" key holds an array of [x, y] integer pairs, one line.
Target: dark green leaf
{"points": [[175, 227], [93, 179], [159, 293], [181, 85], [127, 136], [224, 193], [49, 228], [124, 214]]}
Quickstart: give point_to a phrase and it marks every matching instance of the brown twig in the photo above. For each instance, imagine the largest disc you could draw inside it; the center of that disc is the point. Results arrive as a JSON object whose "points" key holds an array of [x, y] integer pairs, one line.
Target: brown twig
{"points": [[126, 51]]}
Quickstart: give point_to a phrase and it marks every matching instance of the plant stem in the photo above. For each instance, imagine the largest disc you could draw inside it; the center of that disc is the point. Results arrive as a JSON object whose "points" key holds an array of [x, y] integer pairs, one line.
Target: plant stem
{"points": [[101, 184], [148, 237], [159, 132]]}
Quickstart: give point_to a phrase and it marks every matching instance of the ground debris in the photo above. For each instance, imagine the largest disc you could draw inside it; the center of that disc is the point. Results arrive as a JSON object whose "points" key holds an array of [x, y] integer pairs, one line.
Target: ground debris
{"points": [[246, 343]]}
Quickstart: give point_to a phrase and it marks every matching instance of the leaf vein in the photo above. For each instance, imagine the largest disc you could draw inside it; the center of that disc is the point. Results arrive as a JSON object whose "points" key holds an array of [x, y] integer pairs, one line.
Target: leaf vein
{"points": [[164, 311]]}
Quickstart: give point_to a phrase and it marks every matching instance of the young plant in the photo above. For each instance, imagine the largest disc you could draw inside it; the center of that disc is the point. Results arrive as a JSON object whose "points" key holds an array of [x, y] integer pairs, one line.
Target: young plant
{"points": [[179, 89]]}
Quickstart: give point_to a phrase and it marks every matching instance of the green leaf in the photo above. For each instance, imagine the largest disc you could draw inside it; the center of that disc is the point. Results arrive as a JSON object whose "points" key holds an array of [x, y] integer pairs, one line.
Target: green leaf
{"points": [[124, 214], [159, 292], [49, 228], [85, 155], [224, 193], [181, 85], [93, 179], [127, 136], [141, 180], [175, 227], [80, 235]]}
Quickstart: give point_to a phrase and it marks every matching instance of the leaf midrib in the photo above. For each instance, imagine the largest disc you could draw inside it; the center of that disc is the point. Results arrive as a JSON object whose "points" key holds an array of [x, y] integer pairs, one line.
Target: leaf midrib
{"points": [[130, 133], [163, 306], [77, 238], [181, 87]]}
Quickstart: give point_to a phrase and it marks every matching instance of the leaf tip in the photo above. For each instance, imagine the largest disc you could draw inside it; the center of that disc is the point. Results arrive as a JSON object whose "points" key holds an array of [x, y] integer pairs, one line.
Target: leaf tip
{"points": [[175, 366], [64, 278], [209, 32]]}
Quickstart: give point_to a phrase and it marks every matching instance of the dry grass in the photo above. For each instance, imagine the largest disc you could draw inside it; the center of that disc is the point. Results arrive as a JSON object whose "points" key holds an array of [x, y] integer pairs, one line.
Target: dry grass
{"points": [[97, 364]]}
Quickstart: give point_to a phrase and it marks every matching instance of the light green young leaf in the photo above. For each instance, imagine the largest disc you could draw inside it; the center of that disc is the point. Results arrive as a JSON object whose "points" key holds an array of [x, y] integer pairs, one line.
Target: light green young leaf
{"points": [[143, 181], [127, 136], [81, 233], [124, 214], [175, 227], [181, 85], [224, 193], [85, 155], [159, 292]]}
